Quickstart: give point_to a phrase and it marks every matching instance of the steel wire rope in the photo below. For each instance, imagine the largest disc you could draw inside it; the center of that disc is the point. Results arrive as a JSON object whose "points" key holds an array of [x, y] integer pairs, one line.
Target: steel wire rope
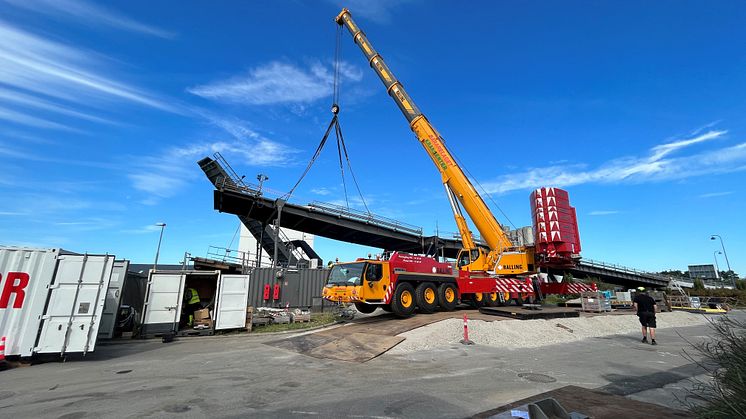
{"points": [[341, 146], [483, 190], [341, 165], [313, 158], [349, 165]]}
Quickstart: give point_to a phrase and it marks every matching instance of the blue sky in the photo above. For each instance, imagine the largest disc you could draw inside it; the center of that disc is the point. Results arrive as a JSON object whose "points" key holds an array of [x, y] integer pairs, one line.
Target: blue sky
{"points": [[637, 111]]}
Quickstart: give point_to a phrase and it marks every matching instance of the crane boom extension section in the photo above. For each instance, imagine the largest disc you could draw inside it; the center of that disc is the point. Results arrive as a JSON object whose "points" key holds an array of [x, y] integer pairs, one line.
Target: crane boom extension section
{"points": [[503, 257]]}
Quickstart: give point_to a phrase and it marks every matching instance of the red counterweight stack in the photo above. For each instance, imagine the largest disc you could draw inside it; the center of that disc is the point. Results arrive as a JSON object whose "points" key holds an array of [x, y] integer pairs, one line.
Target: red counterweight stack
{"points": [[555, 226]]}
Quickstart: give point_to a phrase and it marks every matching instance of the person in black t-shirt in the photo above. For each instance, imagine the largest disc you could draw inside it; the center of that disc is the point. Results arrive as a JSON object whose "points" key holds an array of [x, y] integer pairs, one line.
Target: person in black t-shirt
{"points": [[646, 308]]}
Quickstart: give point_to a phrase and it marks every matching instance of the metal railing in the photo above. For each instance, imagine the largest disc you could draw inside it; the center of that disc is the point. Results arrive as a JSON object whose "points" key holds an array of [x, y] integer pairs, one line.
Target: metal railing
{"points": [[237, 257], [625, 269], [377, 220]]}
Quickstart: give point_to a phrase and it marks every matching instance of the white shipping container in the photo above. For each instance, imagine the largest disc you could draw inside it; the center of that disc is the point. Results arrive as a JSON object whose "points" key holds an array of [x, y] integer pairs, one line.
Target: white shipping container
{"points": [[51, 302], [165, 296], [113, 298]]}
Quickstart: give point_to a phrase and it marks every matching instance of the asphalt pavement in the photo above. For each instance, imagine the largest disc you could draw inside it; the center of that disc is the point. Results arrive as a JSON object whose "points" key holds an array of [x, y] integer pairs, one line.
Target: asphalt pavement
{"points": [[240, 376]]}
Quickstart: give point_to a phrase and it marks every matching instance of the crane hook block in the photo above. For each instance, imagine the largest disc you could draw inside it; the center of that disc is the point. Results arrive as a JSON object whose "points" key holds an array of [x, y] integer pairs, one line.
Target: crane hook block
{"points": [[335, 109]]}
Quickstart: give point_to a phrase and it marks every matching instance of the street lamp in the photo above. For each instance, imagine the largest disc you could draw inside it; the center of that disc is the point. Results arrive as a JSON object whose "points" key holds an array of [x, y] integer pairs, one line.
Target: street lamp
{"points": [[158, 250], [261, 177], [717, 268], [712, 237]]}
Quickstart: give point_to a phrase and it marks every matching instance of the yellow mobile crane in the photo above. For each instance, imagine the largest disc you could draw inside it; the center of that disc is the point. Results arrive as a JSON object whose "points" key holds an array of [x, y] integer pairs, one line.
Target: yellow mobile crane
{"points": [[503, 257]]}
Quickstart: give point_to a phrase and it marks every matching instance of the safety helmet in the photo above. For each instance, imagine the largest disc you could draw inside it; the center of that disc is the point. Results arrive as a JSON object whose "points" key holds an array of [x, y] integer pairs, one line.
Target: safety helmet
{"points": [[641, 289]]}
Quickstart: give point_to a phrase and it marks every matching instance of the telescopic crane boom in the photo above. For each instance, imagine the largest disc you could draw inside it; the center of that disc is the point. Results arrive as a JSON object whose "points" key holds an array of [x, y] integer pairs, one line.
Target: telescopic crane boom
{"points": [[503, 257]]}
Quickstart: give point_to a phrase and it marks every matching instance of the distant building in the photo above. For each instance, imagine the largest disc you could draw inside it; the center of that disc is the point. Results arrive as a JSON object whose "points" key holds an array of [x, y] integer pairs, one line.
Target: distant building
{"points": [[703, 272]]}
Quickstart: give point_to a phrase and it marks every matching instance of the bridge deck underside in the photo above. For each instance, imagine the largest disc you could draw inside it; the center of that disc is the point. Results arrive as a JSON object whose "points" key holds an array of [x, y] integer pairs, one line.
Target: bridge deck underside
{"points": [[308, 220], [611, 276]]}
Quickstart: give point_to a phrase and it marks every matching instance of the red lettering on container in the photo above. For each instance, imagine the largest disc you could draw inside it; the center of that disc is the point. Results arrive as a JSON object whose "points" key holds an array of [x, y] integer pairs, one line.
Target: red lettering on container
{"points": [[12, 288]]}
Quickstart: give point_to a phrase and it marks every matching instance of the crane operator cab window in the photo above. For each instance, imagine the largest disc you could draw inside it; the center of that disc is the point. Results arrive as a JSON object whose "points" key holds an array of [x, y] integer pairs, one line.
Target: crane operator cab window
{"points": [[345, 274], [373, 272], [466, 257]]}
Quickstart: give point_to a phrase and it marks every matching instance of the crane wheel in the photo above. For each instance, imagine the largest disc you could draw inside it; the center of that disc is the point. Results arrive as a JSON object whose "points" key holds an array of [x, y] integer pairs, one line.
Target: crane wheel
{"points": [[403, 301], [427, 297], [365, 308], [477, 300], [492, 299], [447, 297]]}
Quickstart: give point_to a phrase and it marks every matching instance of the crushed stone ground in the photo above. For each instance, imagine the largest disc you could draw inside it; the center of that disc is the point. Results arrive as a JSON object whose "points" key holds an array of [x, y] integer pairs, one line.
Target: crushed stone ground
{"points": [[516, 334]]}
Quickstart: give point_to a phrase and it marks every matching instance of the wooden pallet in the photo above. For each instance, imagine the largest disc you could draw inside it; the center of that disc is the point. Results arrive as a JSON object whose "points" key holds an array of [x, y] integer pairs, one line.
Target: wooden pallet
{"points": [[195, 332]]}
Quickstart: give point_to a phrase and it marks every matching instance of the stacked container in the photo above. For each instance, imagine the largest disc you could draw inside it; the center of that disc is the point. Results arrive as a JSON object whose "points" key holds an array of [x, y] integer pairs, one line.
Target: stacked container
{"points": [[556, 233]]}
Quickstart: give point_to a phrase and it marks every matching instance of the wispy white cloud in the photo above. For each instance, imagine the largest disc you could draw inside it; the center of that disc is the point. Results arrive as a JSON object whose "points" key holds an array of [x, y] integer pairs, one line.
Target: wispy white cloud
{"points": [[658, 165], [715, 194], [151, 228], [663, 150], [164, 176], [90, 14], [36, 156], [39, 103], [278, 83], [603, 212], [32, 121], [321, 191], [379, 11], [34, 64], [85, 224]]}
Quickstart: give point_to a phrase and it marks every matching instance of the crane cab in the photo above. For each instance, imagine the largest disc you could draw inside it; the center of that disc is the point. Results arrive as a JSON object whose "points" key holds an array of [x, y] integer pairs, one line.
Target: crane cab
{"points": [[359, 281]]}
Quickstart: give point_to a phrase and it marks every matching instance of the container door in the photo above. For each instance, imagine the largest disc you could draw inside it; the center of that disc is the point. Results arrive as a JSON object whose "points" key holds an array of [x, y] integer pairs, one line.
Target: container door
{"points": [[25, 277], [113, 296], [162, 303], [233, 296], [75, 305]]}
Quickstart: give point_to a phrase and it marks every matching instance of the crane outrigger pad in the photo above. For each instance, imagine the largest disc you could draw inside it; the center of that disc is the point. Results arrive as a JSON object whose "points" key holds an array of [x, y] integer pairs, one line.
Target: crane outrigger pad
{"points": [[520, 313], [365, 338]]}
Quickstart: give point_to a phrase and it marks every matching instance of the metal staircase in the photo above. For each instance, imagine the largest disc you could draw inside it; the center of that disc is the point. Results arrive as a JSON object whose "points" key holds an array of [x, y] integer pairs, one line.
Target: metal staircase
{"points": [[222, 176], [678, 297]]}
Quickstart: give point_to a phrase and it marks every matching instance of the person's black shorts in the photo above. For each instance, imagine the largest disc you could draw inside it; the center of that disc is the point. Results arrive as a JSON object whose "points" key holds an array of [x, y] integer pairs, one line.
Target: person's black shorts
{"points": [[647, 319]]}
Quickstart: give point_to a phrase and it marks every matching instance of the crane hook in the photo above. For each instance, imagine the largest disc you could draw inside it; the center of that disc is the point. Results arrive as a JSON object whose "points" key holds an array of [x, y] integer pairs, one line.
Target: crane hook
{"points": [[335, 109]]}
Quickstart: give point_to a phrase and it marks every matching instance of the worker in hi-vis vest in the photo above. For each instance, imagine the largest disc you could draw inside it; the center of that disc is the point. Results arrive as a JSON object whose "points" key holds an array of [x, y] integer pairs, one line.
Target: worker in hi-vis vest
{"points": [[193, 303]]}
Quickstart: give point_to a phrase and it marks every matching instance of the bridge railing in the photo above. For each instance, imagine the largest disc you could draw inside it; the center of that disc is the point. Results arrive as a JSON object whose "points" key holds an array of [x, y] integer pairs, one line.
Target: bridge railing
{"points": [[367, 217], [625, 269]]}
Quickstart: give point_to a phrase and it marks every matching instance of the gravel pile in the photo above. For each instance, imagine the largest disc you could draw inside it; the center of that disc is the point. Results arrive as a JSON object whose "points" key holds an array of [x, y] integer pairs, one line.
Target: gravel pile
{"points": [[533, 333]]}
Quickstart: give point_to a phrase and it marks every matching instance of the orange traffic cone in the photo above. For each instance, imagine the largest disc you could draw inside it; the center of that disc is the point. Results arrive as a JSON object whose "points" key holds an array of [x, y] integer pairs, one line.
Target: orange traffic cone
{"points": [[2, 349]]}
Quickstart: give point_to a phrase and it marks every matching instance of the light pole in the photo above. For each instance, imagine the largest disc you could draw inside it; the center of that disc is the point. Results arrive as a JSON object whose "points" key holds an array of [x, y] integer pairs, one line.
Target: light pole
{"points": [[717, 268], [712, 237], [158, 250], [261, 177]]}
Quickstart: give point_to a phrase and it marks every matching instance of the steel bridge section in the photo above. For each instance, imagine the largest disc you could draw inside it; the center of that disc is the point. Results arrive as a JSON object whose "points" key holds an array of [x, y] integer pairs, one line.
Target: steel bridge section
{"points": [[232, 196]]}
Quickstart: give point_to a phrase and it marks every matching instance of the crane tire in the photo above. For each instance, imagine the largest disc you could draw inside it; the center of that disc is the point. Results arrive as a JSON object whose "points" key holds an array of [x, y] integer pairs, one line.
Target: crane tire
{"points": [[427, 297], [477, 300], [492, 299], [403, 302], [365, 308], [447, 297]]}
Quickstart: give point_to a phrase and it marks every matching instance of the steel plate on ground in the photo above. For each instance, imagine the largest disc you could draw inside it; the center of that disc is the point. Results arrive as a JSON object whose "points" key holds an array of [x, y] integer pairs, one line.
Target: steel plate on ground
{"points": [[519, 313], [379, 333], [357, 347]]}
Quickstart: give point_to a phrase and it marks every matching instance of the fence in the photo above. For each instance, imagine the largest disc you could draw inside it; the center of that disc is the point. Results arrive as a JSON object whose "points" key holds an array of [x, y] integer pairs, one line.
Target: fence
{"points": [[298, 287]]}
